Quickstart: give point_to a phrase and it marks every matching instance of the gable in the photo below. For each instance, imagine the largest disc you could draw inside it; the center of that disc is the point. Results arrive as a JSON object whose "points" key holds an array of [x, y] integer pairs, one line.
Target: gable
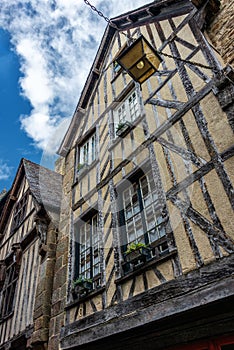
{"points": [[112, 41], [43, 186]]}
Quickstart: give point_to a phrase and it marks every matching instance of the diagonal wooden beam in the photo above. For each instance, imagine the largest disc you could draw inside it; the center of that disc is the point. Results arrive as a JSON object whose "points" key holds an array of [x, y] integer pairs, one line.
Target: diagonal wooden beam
{"points": [[211, 230], [165, 103], [184, 153], [205, 169]]}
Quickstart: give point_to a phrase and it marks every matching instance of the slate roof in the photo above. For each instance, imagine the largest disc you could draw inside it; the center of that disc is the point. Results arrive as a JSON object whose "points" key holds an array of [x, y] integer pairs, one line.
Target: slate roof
{"points": [[45, 184]]}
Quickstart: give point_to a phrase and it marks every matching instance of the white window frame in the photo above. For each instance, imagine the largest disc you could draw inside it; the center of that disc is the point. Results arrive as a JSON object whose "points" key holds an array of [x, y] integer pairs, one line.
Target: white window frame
{"points": [[87, 150], [128, 110]]}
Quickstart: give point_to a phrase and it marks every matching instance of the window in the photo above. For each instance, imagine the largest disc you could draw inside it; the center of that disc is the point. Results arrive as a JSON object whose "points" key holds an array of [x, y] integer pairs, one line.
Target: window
{"points": [[9, 287], [88, 150], [20, 211], [87, 250], [141, 215], [128, 110], [116, 67]]}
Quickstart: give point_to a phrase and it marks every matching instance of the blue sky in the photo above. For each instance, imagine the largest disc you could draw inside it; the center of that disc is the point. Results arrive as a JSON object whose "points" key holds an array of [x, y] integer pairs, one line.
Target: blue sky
{"points": [[46, 50]]}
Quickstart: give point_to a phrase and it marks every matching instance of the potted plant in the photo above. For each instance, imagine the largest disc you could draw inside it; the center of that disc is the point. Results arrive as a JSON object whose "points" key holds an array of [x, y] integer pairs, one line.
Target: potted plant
{"points": [[137, 252], [123, 127], [82, 286], [81, 167]]}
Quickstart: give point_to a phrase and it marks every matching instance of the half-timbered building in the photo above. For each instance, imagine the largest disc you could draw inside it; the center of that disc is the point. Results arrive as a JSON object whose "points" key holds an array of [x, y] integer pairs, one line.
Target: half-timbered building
{"points": [[148, 194], [28, 230]]}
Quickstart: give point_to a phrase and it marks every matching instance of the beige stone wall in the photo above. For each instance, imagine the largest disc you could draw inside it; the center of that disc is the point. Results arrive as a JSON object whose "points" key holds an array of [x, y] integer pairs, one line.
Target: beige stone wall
{"points": [[203, 194], [58, 301], [42, 308], [221, 31]]}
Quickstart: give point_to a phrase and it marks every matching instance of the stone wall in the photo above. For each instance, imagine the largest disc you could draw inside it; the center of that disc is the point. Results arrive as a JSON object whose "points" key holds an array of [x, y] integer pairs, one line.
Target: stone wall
{"points": [[221, 31], [61, 265], [42, 309]]}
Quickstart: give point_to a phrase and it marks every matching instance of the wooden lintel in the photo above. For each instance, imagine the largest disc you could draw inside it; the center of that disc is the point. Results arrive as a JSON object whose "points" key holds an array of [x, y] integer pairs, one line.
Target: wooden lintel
{"points": [[150, 311]]}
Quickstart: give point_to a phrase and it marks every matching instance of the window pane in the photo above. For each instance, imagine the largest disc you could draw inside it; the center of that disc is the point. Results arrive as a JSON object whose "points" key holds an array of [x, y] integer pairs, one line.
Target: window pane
{"points": [[9, 289], [88, 151], [145, 225], [89, 257], [133, 106]]}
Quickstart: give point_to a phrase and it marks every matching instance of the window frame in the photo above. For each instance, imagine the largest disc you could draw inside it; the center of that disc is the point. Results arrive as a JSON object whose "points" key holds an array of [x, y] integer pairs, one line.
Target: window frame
{"points": [[8, 292], [122, 113], [81, 166], [20, 211], [89, 272], [87, 150], [159, 246]]}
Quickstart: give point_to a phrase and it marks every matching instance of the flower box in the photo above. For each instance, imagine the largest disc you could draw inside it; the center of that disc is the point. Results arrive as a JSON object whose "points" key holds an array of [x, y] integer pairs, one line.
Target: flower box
{"points": [[82, 167], [81, 287], [123, 128], [137, 252]]}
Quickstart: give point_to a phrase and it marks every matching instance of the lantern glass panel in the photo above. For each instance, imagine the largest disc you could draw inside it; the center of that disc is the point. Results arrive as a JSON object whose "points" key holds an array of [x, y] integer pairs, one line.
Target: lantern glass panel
{"points": [[139, 72], [152, 56], [132, 55], [140, 60]]}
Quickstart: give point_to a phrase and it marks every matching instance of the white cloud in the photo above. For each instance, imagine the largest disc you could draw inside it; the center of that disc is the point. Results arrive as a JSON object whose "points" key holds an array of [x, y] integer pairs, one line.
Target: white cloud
{"points": [[56, 41], [5, 171]]}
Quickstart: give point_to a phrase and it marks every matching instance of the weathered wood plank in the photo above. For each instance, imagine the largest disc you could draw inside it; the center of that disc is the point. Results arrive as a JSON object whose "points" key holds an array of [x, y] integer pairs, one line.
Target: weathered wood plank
{"points": [[185, 154], [205, 169], [205, 225], [166, 103], [157, 304]]}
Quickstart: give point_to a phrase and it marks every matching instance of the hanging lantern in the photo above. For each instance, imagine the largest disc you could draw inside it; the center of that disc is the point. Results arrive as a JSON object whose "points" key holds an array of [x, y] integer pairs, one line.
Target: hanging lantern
{"points": [[140, 60]]}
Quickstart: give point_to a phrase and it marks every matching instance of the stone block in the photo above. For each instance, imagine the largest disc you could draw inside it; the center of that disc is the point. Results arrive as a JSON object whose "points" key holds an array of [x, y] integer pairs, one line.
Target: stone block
{"points": [[37, 312], [53, 343], [62, 246], [58, 264], [41, 335], [60, 277], [59, 323]]}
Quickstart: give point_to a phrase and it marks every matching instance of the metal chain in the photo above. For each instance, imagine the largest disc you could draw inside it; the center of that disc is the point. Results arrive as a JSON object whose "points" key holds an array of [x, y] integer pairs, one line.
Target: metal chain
{"points": [[101, 14], [130, 38], [105, 18], [186, 61]]}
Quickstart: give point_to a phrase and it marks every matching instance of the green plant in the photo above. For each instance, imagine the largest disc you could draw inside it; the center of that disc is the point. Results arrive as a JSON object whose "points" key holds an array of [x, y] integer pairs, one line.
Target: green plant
{"points": [[135, 246], [120, 126], [80, 166], [81, 280]]}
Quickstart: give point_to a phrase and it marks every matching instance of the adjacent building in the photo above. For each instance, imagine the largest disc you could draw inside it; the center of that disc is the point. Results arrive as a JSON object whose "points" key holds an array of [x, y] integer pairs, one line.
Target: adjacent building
{"points": [[28, 226]]}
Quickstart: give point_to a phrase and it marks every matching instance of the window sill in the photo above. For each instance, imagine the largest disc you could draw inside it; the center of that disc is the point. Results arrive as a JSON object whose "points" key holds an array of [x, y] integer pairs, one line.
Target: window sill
{"points": [[90, 295], [124, 129], [133, 126], [140, 268], [81, 174]]}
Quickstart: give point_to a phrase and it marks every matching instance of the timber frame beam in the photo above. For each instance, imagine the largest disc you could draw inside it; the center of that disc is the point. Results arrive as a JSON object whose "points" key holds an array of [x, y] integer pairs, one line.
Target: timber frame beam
{"points": [[159, 311]]}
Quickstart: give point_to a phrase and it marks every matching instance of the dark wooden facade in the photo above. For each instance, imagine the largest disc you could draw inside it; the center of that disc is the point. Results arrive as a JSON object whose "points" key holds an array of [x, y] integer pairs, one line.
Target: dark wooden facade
{"points": [[28, 219]]}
